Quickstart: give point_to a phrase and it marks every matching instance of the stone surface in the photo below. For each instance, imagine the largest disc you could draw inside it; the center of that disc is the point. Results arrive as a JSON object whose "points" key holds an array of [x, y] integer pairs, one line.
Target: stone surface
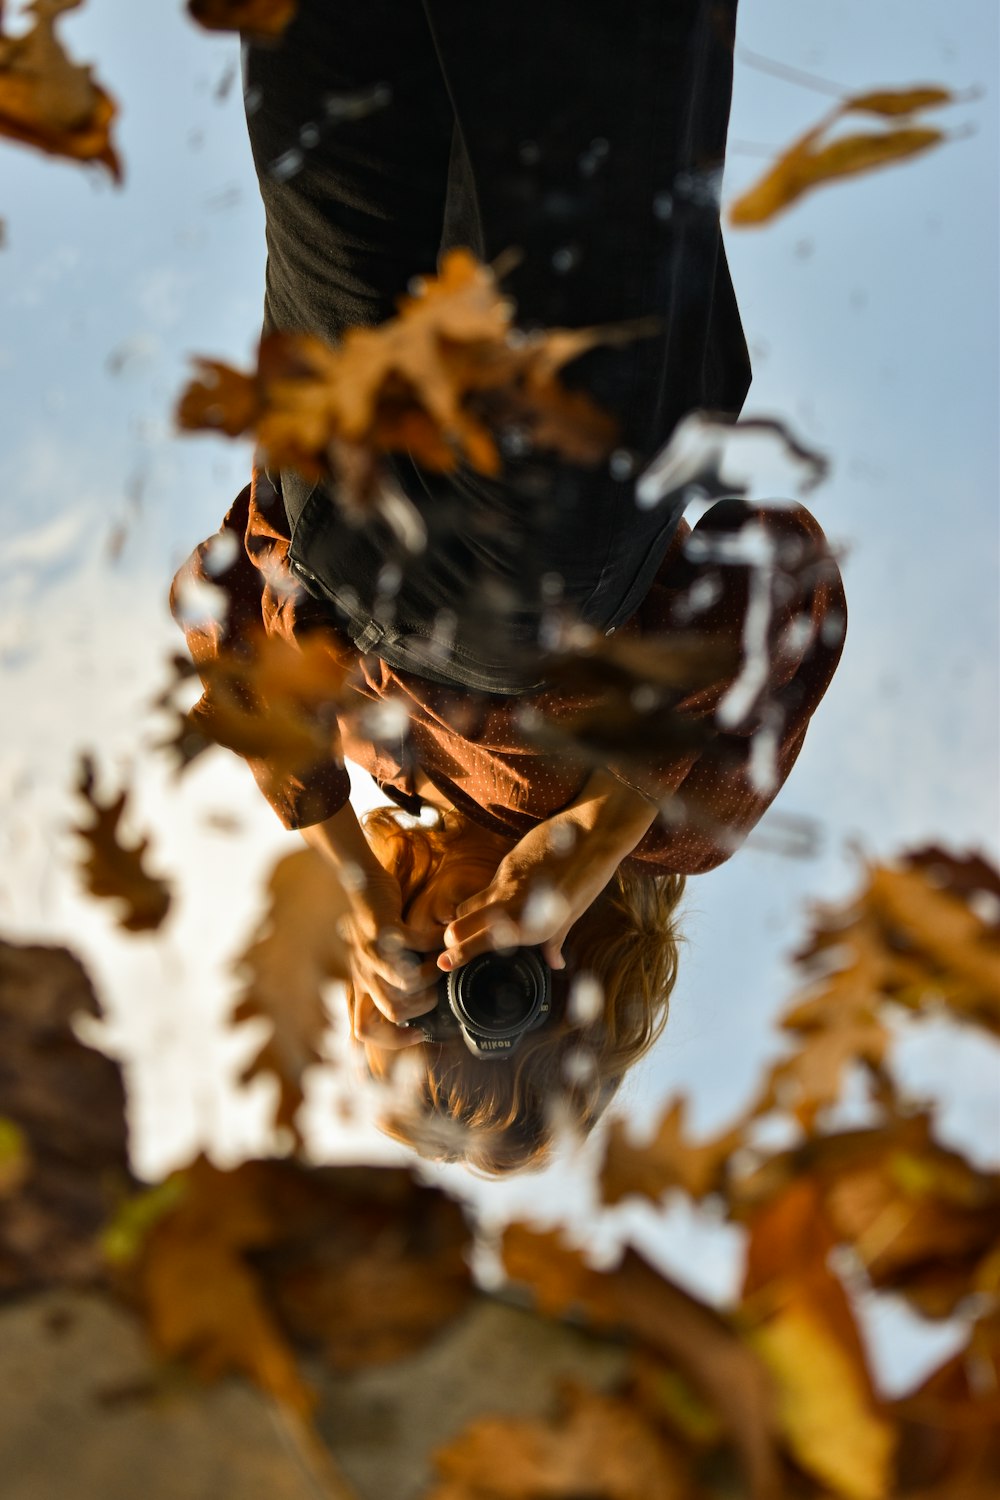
{"points": [[383, 1424], [86, 1415]]}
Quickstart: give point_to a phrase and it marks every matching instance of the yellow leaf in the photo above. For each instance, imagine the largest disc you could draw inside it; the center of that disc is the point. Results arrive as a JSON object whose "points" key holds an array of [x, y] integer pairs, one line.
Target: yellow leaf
{"points": [[49, 101], [823, 1406], [803, 168], [892, 102]]}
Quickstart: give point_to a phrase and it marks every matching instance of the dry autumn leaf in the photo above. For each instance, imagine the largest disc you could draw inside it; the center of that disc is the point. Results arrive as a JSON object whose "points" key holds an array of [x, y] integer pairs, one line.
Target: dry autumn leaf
{"points": [[438, 381], [259, 18], [655, 1312], [919, 1219], [202, 1300], [272, 701], [63, 1153], [924, 934], [296, 951], [360, 1262], [670, 1159], [594, 1445], [49, 101], [114, 870], [815, 159], [799, 1320]]}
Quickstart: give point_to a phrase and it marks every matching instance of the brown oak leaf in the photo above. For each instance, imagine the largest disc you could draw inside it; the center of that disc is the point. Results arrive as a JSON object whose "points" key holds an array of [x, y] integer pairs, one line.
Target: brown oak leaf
{"points": [[273, 701], [920, 1220], [49, 101], [670, 1159], [296, 950], [115, 870]]}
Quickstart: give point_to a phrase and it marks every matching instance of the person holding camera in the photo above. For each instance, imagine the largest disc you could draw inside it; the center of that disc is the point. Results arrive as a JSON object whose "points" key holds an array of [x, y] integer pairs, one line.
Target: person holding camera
{"points": [[590, 143]]}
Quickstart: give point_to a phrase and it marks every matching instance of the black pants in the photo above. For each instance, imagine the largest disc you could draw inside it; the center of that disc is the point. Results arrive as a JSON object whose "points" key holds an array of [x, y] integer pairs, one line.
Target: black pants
{"points": [[588, 136]]}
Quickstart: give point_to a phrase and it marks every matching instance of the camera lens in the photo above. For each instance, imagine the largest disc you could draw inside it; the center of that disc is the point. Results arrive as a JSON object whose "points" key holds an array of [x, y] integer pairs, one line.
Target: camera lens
{"points": [[499, 995]]}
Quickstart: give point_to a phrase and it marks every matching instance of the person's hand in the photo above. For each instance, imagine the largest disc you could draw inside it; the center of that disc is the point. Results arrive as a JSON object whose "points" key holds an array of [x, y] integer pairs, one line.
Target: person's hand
{"points": [[389, 975], [543, 886], [540, 889]]}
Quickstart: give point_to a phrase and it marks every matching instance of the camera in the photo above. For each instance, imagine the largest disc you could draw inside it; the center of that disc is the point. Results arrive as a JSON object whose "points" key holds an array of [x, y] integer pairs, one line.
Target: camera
{"points": [[491, 1002]]}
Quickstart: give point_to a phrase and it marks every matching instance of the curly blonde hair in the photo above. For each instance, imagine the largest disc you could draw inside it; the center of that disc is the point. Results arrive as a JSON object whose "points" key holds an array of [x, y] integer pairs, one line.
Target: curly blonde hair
{"points": [[499, 1117]]}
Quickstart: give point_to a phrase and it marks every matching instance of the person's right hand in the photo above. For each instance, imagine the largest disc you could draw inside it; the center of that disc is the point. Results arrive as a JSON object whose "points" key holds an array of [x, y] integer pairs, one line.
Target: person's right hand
{"points": [[385, 954]]}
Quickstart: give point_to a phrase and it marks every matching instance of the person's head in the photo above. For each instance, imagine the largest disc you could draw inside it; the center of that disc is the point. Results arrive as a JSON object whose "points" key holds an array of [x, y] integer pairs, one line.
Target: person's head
{"points": [[609, 1005]]}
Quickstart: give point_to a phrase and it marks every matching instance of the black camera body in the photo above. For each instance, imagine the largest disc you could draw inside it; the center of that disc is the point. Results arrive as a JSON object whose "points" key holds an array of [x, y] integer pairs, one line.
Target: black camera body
{"points": [[491, 1002]]}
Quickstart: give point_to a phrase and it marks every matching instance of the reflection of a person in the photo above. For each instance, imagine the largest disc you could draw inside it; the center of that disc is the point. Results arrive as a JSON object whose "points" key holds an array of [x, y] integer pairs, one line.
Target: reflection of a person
{"points": [[589, 142]]}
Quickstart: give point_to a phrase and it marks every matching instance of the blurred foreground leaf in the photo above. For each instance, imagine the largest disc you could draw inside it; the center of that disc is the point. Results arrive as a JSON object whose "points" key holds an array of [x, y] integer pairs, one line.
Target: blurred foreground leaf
{"points": [[360, 1264], [595, 1445], [49, 101], [62, 1124], [437, 381]]}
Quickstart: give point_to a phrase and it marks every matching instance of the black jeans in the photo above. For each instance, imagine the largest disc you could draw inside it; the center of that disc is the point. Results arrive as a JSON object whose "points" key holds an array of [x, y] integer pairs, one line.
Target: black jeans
{"points": [[590, 137]]}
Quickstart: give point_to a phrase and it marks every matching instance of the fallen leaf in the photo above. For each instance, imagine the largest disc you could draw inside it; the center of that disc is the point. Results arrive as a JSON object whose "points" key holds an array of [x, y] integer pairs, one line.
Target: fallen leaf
{"points": [[202, 1301], [259, 18], [390, 1274], [661, 1315], [359, 1262], [813, 159], [919, 1219], [49, 101], [831, 1425], [594, 1445], [799, 1320], [114, 870], [670, 1160], [296, 951], [63, 1152]]}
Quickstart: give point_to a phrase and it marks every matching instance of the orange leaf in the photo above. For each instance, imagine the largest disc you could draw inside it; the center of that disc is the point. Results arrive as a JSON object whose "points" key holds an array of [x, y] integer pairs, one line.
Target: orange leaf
{"points": [[272, 701], [50, 102], [805, 166], [202, 1300], [360, 1262], [595, 1445], [892, 102], [440, 381], [115, 870]]}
